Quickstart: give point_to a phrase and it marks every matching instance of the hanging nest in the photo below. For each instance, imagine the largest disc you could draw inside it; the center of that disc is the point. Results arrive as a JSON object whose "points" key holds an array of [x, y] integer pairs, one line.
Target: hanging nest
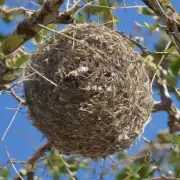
{"points": [[88, 91]]}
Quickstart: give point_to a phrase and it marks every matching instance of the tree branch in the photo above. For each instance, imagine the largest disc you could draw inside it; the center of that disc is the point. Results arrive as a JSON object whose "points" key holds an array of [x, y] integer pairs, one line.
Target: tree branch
{"points": [[162, 178], [14, 11], [169, 16], [31, 163], [28, 28], [66, 17], [144, 50], [17, 98], [168, 106], [11, 163]]}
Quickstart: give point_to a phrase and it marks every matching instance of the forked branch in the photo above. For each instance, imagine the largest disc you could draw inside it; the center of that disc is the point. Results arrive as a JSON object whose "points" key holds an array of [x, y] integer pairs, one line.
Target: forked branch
{"points": [[31, 163], [168, 106], [169, 16]]}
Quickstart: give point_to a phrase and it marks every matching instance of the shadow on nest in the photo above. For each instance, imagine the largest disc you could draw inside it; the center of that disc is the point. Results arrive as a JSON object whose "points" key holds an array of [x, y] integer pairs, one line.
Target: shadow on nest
{"points": [[88, 93]]}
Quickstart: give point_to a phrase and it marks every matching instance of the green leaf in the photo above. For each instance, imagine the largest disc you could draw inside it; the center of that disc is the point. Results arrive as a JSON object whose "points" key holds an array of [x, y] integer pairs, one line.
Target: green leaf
{"points": [[15, 63], [174, 160], [4, 172], [150, 65], [146, 171], [171, 49], [1, 54], [177, 172], [116, 19], [2, 2], [8, 19], [174, 64], [52, 26], [176, 139], [121, 156], [2, 36], [80, 18], [43, 32], [73, 169], [166, 3], [171, 78], [11, 43], [164, 138], [23, 171], [145, 11], [84, 164], [38, 37], [12, 75], [127, 171], [151, 27]]}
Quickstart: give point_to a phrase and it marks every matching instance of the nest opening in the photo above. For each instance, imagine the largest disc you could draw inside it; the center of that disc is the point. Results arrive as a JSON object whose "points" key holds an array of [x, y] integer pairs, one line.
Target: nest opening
{"points": [[89, 94]]}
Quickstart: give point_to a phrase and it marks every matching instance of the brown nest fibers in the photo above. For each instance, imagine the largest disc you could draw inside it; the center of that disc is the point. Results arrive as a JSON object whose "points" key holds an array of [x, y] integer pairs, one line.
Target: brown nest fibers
{"points": [[88, 91]]}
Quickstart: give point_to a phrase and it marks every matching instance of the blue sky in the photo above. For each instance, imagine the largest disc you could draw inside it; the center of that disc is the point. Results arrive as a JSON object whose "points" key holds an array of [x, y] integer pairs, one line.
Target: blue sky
{"points": [[23, 139]]}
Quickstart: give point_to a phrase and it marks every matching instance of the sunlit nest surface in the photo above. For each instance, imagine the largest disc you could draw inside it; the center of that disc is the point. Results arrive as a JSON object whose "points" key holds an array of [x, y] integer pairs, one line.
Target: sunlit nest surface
{"points": [[103, 97]]}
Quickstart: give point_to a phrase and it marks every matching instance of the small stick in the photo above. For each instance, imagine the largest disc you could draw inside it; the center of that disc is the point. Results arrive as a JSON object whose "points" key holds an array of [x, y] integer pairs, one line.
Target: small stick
{"points": [[12, 120]]}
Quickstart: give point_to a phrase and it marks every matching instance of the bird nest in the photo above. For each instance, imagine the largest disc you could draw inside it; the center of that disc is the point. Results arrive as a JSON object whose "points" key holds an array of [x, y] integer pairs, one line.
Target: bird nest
{"points": [[88, 91]]}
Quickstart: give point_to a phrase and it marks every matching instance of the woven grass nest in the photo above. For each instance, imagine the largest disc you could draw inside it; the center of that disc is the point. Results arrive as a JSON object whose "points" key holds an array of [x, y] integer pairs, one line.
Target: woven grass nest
{"points": [[88, 92]]}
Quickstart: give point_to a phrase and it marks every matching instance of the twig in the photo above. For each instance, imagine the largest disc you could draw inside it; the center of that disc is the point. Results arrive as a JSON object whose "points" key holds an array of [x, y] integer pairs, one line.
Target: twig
{"points": [[103, 168], [114, 21], [161, 178], [161, 9], [132, 174], [67, 169], [18, 99], [28, 28], [32, 161], [112, 17], [67, 5], [143, 49], [124, 4], [170, 17], [168, 106], [161, 60], [42, 75], [31, 2], [73, 39], [40, 152], [12, 120], [114, 8], [83, 7], [66, 17], [9, 159], [14, 11]]}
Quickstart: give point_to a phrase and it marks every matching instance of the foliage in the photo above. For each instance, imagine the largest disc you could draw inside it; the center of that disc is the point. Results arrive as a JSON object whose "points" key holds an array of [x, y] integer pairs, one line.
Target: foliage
{"points": [[158, 158]]}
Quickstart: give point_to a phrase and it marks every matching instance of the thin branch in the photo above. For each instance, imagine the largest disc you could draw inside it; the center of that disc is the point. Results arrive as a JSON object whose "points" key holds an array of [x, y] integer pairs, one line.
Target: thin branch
{"points": [[83, 7], [114, 8], [28, 28], [67, 169], [40, 152], [161, 60], [31, 2], [67, 5], [170, 17], [12, 164], [66, 17], [11, 91], [12, 120], [15, 11], [168, 106], [161, 178], [32, 161], [143, 49], [132, 174], [73, 39], [42, 75]]}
